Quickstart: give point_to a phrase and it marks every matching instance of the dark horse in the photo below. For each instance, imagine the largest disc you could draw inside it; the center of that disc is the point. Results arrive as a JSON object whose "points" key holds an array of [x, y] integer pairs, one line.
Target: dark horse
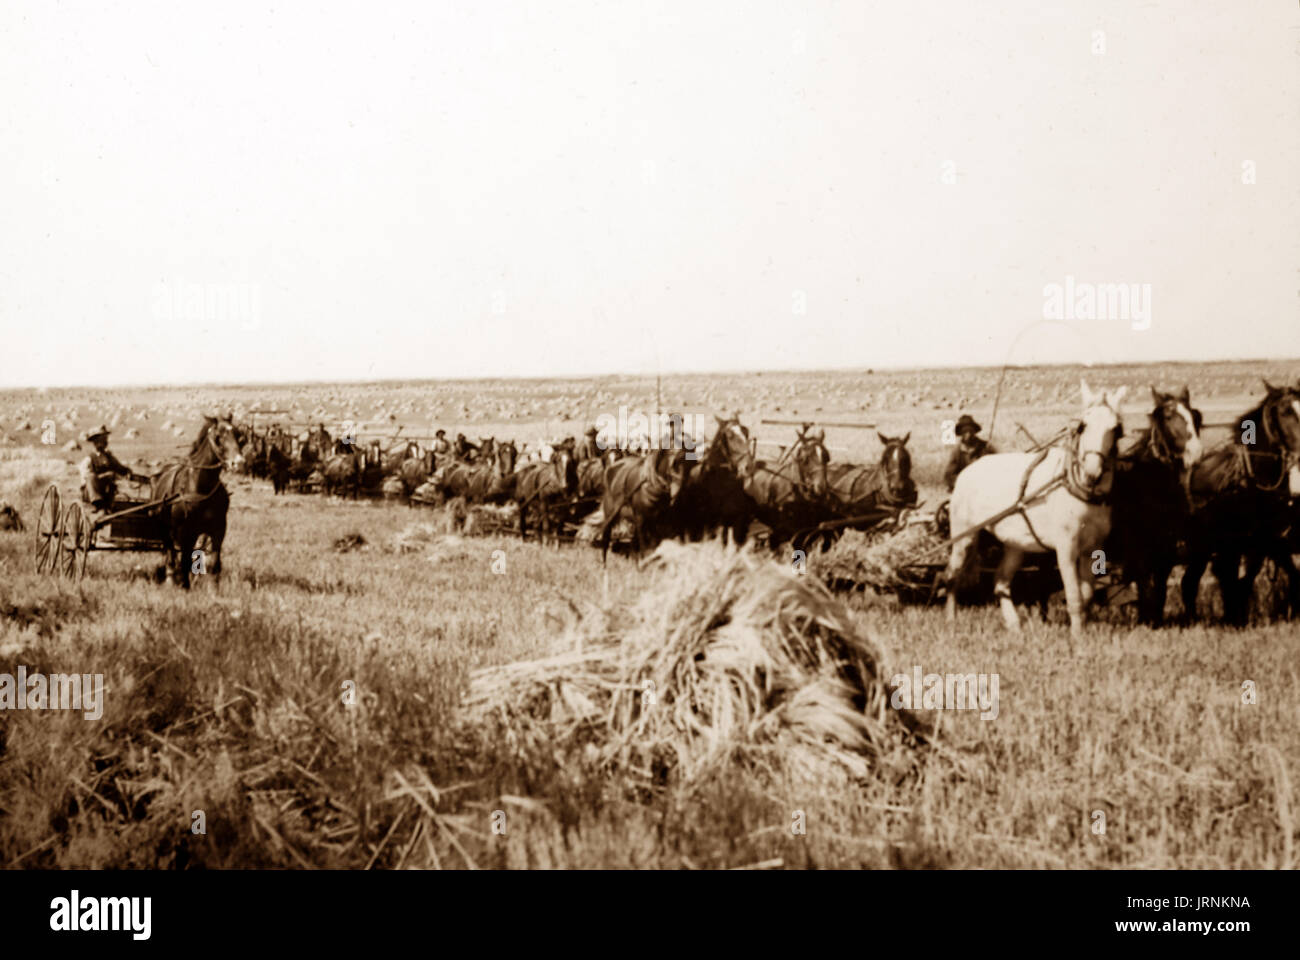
{"points": [[541, 485], [197, 500], [790, 495], [341, 472], [1149, 511], [1239, 496], [714, 497], [311, 454], [859, 491], [483, 481], [591, 473], [643, 490]]}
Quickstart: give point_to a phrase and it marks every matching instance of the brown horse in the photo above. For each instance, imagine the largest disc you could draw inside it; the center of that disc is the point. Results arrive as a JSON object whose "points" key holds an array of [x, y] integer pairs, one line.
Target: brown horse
{"points": [[484, 481], [858, 490], [197, 500], [542, 484], [642, 490], [310, 454], [1239, 494], [341, 473], [714, 497], [591, 473], [790, 495], [1150, 516]]}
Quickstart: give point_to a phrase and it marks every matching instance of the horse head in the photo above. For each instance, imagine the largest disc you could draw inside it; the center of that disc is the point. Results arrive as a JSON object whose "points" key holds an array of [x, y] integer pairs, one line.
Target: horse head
{"points": [[219, 438], [672, 465], [507, 458], [1098, 432], [810, 457], [1281, 416], [565, 464], [896, 466], [1176, 425], [731, 442]]}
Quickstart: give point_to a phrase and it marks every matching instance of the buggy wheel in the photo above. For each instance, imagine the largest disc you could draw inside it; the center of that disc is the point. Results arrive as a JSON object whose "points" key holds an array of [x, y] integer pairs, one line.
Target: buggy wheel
{"points": [[47, 531], [75, 540]]}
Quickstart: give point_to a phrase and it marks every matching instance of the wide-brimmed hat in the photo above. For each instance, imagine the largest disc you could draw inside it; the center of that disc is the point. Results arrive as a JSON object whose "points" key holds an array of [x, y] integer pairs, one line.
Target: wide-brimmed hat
{"points": [[99, 431], [592, 431], [440, 433], [967, 422]]}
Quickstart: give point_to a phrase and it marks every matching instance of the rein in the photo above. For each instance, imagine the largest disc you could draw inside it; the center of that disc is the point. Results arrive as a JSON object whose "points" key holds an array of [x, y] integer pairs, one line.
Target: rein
{"points": [[800, 484], [1097, 494]]}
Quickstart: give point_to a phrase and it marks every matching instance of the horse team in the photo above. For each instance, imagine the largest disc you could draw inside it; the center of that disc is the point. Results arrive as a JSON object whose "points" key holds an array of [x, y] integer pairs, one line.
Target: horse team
{"points": [[1093, 507], [1164, 501]]}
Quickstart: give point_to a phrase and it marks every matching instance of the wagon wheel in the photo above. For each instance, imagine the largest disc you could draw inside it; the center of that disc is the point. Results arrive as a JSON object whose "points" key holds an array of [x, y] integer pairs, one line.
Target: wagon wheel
{"points": [[47, 531], [75, 542]]}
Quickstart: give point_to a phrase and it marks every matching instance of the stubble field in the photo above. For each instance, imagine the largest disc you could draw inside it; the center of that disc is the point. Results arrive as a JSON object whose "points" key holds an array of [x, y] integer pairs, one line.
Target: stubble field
{"points": [[229, 701]]}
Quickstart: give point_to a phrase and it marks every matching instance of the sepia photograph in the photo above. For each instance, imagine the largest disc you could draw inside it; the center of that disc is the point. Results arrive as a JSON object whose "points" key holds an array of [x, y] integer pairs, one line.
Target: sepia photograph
{"points": [[825, 437]]}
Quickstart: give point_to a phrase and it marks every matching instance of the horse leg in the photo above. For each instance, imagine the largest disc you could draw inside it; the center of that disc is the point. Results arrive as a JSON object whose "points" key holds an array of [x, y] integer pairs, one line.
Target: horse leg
{"points": [[1246, 588], [954, 576], [186, 545], [1087, 581], [1067, 560], [1226, 566], [1282, 557], [1190, 585], [217, 535], [1152, 591], [1012, 557]]}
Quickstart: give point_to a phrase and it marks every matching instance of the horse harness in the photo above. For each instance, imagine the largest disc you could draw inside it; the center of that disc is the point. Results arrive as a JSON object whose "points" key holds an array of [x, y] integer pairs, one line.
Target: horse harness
{"points": [[1069, 477]]}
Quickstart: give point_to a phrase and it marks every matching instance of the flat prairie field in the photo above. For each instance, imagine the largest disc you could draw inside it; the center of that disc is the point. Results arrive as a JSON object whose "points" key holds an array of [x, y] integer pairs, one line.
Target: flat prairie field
{"points": [[311, 709]]}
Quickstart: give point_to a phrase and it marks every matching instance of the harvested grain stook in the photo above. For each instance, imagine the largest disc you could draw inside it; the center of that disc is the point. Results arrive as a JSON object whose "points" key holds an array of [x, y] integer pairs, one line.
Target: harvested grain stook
{"points": [[722, 658], [879, 559]]}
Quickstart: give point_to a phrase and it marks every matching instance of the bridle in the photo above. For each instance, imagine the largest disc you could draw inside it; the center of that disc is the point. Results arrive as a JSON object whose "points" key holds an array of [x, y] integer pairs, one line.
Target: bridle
{"points": [[1098, 491], [1288, 458], [214, 449], [725, 454], [792, 455]]}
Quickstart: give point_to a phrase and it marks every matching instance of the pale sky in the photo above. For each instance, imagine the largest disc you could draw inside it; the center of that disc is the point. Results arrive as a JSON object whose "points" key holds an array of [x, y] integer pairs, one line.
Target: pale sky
{"points": [[480, 188]]}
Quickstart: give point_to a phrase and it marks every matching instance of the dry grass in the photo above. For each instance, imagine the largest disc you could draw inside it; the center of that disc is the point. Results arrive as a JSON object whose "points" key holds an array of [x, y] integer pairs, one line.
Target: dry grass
{"points": [[230, 701], [721, 665]]}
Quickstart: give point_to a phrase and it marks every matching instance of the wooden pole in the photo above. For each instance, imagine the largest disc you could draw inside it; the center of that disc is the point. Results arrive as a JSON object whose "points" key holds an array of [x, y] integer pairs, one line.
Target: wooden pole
{"points": [[817, 423]]}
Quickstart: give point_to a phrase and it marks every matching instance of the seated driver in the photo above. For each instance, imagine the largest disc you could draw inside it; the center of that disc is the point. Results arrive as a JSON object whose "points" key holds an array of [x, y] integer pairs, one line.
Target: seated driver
{"points": [[100, 470]]}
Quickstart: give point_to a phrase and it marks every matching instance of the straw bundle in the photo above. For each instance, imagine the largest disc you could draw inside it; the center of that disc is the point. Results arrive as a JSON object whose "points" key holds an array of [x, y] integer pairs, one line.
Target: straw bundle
{"points": [[880, 559], [589, 530], [721, 659], [487, 518]]}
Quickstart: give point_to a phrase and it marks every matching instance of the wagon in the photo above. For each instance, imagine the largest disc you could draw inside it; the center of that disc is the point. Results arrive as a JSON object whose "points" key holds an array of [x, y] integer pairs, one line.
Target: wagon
{"points": [[66, 533]]}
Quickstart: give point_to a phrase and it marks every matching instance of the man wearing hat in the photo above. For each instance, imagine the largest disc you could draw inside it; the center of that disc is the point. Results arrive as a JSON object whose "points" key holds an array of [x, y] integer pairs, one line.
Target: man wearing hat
{"points": [[100, 470], [970, 447], [441, 445], [588, 449]]}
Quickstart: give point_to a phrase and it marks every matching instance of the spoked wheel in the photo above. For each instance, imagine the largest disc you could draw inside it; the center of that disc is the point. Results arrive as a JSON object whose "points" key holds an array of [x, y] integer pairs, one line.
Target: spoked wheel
{"points": [[75, 542], [47, 531]]}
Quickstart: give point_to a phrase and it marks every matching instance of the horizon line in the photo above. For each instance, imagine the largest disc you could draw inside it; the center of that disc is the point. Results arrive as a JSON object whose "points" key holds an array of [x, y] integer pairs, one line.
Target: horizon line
{"points": [[744, 371]]}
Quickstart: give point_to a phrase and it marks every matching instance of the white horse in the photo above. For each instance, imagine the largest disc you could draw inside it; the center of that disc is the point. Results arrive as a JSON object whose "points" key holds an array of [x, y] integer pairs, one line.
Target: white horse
{"points": [[1064, 509]]}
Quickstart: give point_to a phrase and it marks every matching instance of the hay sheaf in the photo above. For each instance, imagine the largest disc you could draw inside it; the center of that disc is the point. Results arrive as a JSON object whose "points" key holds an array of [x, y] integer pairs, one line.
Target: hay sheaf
{"points": [[879, 559], [721, 658], [589, 530]]}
